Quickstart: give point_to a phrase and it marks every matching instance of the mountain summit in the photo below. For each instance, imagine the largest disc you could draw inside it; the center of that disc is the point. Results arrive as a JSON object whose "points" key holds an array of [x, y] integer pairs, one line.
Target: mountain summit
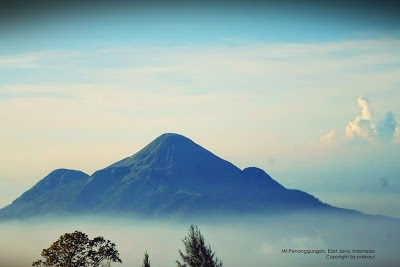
{"points": [[171, 176]]}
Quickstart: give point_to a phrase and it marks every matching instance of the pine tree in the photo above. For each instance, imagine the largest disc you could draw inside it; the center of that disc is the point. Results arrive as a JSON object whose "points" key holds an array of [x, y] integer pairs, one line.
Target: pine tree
{"points": [[146, 261], [197, 253]]}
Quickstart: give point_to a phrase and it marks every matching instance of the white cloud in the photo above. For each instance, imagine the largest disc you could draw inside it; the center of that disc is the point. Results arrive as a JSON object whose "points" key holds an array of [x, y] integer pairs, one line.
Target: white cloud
{"points": [[361, 127], [249, 65], [397, 134], [329, 137], [365, 108], [48, 59]]}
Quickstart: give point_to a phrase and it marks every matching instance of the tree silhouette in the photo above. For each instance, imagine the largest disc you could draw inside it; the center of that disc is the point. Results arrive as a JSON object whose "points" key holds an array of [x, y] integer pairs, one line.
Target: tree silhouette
{"points": [[77, 250], [146, 261], [197, 253]]}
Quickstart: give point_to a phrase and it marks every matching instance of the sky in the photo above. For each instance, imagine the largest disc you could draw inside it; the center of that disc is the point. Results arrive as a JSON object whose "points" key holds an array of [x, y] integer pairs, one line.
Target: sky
{"points": [[308, 92]]}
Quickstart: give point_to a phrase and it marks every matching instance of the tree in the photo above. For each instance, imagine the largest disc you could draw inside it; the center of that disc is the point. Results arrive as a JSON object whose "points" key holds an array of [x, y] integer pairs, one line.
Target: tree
{"points": [[146, 261], [197, 253], [77, 250]]}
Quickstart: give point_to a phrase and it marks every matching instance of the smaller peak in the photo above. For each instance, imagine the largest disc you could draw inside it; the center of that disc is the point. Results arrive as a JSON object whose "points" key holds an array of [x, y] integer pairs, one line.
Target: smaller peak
{"points": [[257, 174], [58, 171], [64, 176], [62, 171], [254, 171]]}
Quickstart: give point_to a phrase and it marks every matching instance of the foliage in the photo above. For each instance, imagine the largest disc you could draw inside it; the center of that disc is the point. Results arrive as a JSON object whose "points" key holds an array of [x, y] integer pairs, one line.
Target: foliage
{"points": [[77, 250], [197, 253], [146, 261]]}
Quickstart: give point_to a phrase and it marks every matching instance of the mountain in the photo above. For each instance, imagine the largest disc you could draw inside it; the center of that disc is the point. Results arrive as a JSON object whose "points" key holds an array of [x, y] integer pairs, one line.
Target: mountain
{"points": [[55, 192], [172, 176]]}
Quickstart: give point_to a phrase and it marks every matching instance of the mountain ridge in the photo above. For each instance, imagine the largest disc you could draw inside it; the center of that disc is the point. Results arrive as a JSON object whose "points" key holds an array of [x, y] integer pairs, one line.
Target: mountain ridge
{"points": [[170, 177]]}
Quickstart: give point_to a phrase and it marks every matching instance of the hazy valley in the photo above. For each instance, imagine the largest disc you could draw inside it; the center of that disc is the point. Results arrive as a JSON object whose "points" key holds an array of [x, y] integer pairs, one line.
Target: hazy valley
{"points": [[238, 241]]}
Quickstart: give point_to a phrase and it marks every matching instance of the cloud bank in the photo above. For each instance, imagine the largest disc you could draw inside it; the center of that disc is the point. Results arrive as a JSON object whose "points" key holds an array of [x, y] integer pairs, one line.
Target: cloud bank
{"points": [[363, 128], [329, 137]]}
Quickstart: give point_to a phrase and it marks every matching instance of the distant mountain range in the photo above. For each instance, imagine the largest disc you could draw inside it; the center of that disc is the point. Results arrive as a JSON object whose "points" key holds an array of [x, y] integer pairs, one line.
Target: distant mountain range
{"points": [[171, 177]]}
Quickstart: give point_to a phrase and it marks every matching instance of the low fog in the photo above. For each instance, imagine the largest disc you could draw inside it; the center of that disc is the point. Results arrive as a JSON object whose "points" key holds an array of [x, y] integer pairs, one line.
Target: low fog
{"points": [[250, 241]]}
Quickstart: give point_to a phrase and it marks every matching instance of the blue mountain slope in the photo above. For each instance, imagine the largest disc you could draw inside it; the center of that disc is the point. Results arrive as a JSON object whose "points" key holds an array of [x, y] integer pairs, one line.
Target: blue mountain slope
{"points": [[55, 193], [171, 176], [175, 175]]}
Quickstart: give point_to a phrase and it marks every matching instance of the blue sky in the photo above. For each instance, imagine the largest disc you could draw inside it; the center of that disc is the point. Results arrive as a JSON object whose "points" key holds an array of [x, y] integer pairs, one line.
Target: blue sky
{"points": [[300, 91], [188, 22]]}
